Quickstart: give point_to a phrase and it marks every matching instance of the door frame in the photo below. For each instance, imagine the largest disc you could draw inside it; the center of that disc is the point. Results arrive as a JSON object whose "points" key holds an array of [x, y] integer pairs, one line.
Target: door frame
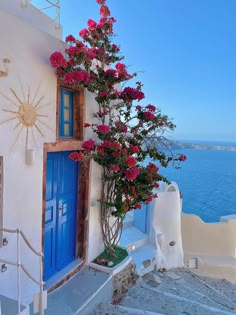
{"points": [[82, 199]]}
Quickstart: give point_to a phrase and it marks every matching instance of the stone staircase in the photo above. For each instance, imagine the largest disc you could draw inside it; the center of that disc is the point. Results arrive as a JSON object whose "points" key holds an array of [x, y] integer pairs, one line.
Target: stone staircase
{"points": [[139, 246]]}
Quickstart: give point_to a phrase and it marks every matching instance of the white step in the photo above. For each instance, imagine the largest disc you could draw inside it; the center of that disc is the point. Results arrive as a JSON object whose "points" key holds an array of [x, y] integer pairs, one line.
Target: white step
{"points": [[132, 238], [143, 253], [144, 258]]}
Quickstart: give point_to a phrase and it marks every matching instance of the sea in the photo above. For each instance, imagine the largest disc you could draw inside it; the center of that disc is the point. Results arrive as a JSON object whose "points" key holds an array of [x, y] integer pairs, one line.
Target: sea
{"points": [[207, 181]]}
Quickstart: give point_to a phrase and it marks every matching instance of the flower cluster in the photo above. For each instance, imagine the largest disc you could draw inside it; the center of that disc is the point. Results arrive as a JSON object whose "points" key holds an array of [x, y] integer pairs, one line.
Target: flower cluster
{"points": [[127, 133]]}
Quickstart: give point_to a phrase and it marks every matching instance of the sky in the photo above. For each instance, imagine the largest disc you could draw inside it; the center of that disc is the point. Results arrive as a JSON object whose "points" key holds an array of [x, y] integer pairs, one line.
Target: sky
{"points": [[184, 52]]}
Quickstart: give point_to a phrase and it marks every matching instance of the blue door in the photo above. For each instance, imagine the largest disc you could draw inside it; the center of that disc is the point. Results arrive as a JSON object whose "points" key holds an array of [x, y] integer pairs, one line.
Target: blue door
{"points": [[142, 218], [60, 212]]}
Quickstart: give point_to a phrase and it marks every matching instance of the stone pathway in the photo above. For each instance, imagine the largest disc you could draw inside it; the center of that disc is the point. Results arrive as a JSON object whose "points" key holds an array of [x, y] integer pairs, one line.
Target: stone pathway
{"points": [[175, 292]]}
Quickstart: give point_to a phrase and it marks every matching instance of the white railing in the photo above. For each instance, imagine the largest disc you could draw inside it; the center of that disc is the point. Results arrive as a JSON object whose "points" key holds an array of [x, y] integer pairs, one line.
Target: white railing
{"points": [[20, 235], [50, 7]]}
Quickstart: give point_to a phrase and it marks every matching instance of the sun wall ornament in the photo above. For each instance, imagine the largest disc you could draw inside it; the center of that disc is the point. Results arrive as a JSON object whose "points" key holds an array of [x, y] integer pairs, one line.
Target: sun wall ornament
{"points": [[5, 62], [25, 110]]}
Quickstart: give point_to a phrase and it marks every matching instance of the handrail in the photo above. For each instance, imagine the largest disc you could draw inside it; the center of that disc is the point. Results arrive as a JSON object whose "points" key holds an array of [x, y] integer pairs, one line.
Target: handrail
{"points": [[49, 5], [19, 265]]}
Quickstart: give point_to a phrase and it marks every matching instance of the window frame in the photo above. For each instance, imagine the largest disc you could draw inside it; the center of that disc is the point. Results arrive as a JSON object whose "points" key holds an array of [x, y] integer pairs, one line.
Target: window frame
{"points": [[78, 111]]}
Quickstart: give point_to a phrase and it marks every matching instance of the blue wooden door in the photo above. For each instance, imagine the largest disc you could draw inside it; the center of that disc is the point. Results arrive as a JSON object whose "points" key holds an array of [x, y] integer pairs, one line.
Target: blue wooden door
{"points": [[60, 212], [142, 218]]}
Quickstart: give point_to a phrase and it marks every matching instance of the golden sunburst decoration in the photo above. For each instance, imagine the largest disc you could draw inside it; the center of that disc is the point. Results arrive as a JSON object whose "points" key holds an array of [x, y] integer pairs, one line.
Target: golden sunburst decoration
{"points": [[26, 112]]}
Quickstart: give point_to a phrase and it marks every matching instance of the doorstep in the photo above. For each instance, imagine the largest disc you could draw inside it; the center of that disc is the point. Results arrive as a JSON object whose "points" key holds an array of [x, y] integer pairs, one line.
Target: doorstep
{"points": [[81, 293]]}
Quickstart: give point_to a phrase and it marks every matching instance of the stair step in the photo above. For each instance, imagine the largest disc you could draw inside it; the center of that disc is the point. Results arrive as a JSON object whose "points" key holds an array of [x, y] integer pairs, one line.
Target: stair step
{"points": [[10, 307], [132, 238], [144, 258], [81, 294]]}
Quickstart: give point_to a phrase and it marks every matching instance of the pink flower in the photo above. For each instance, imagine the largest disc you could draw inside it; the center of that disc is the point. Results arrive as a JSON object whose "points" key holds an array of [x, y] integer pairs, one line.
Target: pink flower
{"points": [[182, 157], [91, 24], [88, 145], [115, 145], [103, 94], [104, 11], [115, 154], [138, 107], [149, 115], [101, 1], [130, 161], [149, 199], [100, 150], [114, 168], [134, 149], [132, 173], [132, 94], [103, 129], [152, 168], [121, 71], [57, 60], [84, 33], [110, 72], [157, 185], [76, 156], [70, 39], [106, 144], [151, 108]]}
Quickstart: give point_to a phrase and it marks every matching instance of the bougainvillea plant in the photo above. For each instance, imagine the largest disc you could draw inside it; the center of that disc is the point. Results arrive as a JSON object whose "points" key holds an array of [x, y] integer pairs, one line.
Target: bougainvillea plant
{"points": [[127, 135]]}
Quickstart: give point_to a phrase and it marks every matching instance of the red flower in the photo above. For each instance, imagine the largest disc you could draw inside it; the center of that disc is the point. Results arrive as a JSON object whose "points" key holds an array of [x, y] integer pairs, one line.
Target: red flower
{"points": [[104, 11], [138, 107], [134, 149], [157, 185], [76, 156], [114, 168], [101, 1], [91, 24], [103, 129], [70, 39], [149, 115], [152, 168], [132, 173], [100, 150], [88, 145], [150, 107], [138, 206], [182, 157], [57, 60], [84, 33], [149, 199], [115, 146], [115, 154], [132, 94], [86, 125], [106, 144], [130, 161]]}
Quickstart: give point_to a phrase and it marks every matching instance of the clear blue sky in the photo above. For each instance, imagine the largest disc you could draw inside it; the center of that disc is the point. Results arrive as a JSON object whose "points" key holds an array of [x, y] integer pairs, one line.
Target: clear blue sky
{"points": [[185, 51]]}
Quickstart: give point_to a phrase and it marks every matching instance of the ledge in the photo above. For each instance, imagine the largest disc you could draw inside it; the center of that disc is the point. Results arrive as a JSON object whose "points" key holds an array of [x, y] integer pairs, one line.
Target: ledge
{"points": [[112, 270]]}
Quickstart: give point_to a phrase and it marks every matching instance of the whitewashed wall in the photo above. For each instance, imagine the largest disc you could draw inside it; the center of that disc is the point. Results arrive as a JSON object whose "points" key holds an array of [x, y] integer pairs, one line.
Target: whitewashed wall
{"points": [[29, 49]]}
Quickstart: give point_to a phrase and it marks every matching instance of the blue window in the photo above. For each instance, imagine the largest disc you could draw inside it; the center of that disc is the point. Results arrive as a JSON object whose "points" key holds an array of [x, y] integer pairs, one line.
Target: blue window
{"points": [[66, 117]]}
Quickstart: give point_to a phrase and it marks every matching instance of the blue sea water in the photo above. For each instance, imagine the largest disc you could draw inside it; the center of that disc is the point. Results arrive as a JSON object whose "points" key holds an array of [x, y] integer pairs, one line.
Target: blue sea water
{"points": [[207, 181]]}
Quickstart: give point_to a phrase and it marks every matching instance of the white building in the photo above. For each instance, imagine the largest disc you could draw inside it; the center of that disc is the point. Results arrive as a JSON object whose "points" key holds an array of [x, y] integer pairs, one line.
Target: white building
{"points": [[52, 199]]}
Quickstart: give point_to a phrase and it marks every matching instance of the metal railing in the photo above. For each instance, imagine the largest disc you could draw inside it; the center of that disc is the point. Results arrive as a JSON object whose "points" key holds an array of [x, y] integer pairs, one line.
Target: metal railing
{"points": [[51, 8], [19, 265]]}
